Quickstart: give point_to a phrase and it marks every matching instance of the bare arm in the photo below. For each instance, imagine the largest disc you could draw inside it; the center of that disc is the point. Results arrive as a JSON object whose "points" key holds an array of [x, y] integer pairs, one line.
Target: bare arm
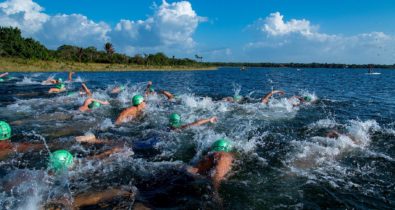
{"points": [[266, 98], [168, 95], [224, 165], [101, 102], [127, 113], [3, 75], [71, 76], [147, 89], [86, 89], [200, 122]]}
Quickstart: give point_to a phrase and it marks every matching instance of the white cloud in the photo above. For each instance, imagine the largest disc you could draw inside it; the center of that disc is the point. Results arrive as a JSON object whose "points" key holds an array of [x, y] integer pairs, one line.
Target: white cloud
{"points": [[171, 25], [275, 25], [169, 28], [73, 29], [24, 14], [300, 41]]}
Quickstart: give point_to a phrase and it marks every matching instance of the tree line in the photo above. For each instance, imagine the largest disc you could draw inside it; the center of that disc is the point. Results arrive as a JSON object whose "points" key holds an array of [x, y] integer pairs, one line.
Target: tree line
{"points": [[12, 44]]}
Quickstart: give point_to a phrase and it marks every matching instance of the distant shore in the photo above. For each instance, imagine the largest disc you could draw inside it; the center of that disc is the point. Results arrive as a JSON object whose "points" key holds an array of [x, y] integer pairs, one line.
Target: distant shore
{"points": [[24, 65]]}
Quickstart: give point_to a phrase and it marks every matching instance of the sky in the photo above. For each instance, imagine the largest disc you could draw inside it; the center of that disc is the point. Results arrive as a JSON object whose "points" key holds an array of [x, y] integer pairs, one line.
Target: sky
{"points": [[325, 31]]}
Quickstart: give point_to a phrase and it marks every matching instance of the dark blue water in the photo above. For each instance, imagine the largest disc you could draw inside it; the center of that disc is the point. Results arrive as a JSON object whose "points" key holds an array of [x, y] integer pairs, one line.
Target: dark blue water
{"points": [[284, 159]]}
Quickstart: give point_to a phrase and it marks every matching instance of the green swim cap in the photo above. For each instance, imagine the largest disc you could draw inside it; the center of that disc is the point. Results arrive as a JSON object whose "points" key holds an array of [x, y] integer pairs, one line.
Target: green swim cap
{"points": [[60, 86], [307, 98], [94, 105], [60, 160], [60, 80], [5, 131], [221, 145], [137, 100], [1, 80], [175, 120], [237, 97]]}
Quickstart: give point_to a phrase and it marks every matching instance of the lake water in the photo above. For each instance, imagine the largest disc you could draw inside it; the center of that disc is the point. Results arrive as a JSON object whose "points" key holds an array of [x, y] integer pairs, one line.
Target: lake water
{"points": [[284, 159]]}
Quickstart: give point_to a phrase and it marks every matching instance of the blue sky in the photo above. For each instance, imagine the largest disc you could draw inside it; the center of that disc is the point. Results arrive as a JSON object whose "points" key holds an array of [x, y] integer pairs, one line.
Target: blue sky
{"points": [[341, 31]]}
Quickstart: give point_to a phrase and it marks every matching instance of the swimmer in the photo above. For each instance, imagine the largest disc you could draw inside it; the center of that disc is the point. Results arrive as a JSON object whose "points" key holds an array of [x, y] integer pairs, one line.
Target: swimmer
{"points": [[86, 89], [60, 87], [334, 134], [51, 80], [175, 122], [235, 99], [300, 99], [133, 111], [168, 95], [8, 148], [216, 164], [149, 90], [266, 98], [3, 77], [118, 89], [70, 77], [91, 104]]}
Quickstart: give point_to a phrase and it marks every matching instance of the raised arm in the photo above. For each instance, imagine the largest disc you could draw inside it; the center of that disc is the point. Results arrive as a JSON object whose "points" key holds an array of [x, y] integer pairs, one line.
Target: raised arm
{"points": [[86, 89], [200, 122], [147, 89], [71, 76], [266, 98]]}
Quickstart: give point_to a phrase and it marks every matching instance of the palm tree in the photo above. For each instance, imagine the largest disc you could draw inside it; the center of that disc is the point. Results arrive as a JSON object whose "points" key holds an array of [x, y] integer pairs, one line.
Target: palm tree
{"points": [[109, 48], [199, 58]]}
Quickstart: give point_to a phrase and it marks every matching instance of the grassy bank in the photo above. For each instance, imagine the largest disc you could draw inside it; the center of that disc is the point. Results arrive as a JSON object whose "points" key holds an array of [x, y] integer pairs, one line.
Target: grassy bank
{"points": [[24, 65]]}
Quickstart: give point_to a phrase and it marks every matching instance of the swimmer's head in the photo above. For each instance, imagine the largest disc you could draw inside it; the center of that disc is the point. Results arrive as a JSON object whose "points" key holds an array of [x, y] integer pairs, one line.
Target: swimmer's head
{"points": [[61, 160], [221, 145], [175, 120], [5, 131], [60, 80], [137, 100], [237, 98], [94, 105], [307, 98], [60, 86]]}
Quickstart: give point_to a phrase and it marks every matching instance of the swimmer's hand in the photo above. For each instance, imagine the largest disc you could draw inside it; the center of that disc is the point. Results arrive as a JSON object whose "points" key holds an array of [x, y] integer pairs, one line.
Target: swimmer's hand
{"points": [[149, 83], [213, 120]]}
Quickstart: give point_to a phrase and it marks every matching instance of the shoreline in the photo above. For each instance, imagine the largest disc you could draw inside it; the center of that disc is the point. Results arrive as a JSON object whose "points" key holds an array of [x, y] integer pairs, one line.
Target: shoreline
{"points": [[24, 65]]}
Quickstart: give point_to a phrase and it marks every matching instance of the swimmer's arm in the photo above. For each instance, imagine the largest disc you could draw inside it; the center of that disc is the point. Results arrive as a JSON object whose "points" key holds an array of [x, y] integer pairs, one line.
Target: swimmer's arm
{"points": [[224, 165], [4, 74], [266, 98], [107, 153], [71, 76], [91, 139], [86, 89], [168, 95], [200, 122], [101, 102], [129, 112], [89, 199], [147, 89], [228, 99]]}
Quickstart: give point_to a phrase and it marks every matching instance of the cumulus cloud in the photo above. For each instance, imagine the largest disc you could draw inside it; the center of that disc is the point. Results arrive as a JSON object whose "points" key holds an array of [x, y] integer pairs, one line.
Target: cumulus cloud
{"points": [[172, 24], [73, 29], [169, 28], [300, 41], [24, 14]]}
